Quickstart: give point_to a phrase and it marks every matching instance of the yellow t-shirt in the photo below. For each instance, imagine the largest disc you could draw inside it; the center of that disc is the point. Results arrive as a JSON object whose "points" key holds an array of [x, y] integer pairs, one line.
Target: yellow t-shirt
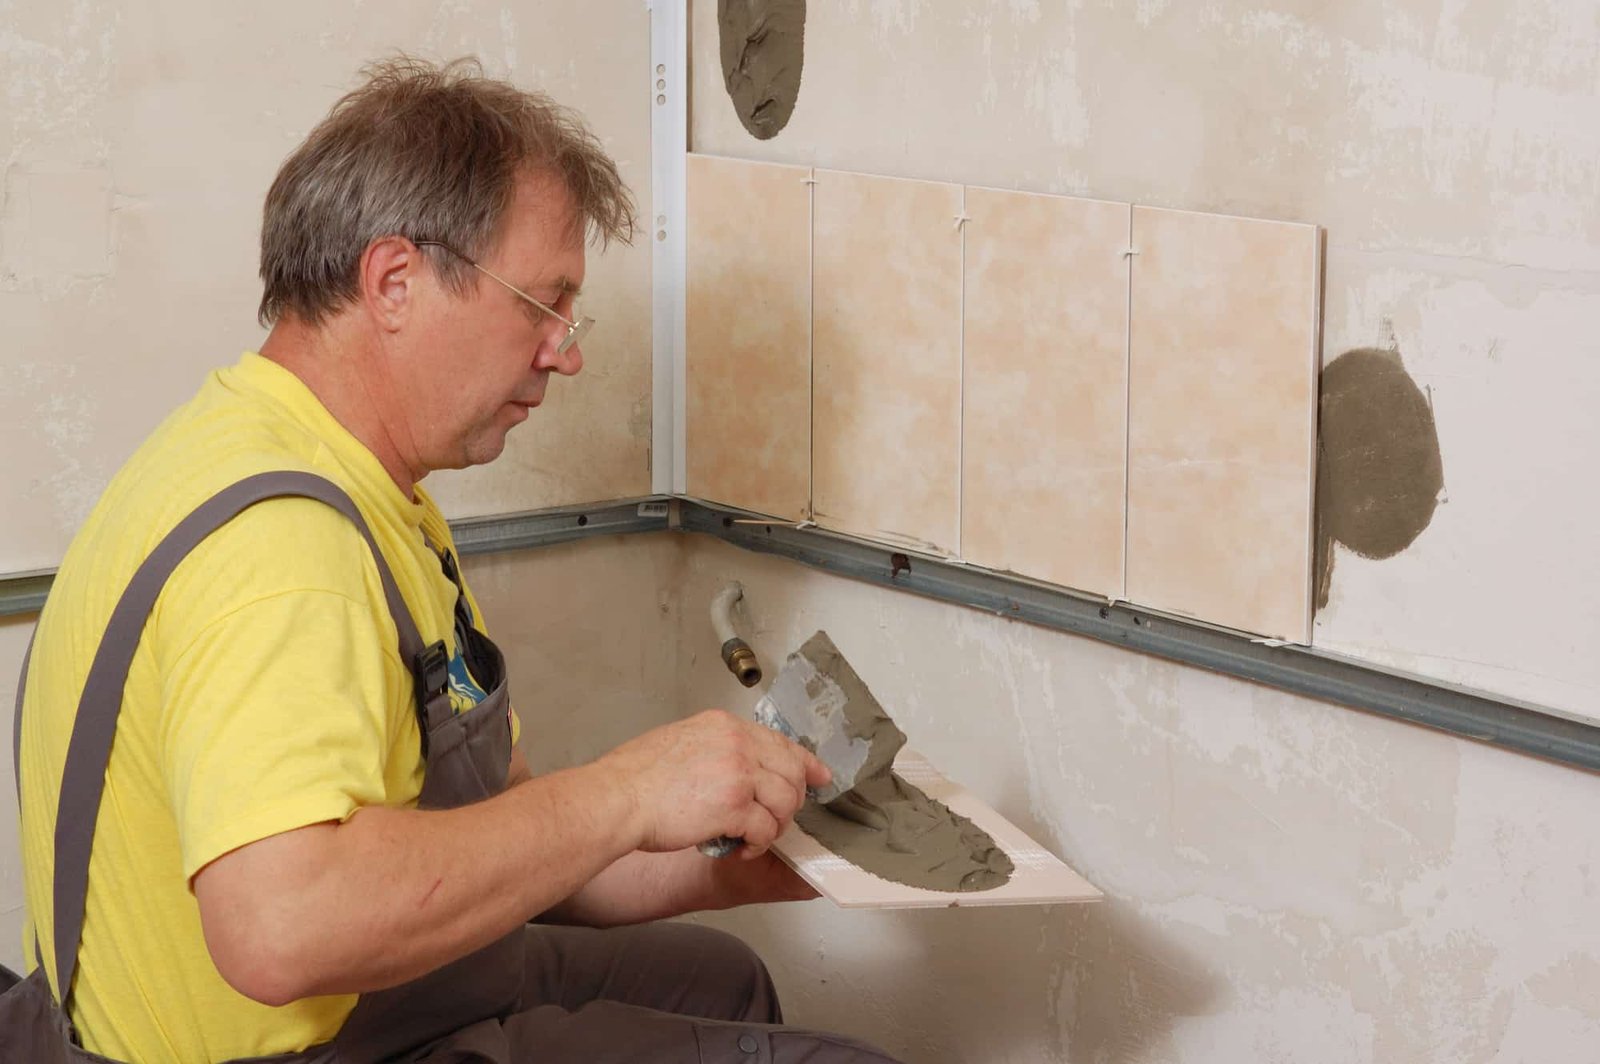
{"points": [[267, 693]]}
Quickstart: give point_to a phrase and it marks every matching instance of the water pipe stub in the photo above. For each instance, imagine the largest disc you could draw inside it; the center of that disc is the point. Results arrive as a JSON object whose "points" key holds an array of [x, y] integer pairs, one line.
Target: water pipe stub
{"points": [[741, 661]]}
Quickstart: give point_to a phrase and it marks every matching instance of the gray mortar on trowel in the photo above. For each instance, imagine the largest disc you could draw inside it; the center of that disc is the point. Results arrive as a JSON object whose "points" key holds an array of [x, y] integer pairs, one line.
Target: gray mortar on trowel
{"points": [[884, 824]]}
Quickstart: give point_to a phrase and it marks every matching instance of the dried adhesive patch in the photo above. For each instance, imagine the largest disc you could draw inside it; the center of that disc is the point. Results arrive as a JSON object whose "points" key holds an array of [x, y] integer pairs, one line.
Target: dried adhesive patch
{"points": [[885, 825], [1379, 472], [762, 44]]}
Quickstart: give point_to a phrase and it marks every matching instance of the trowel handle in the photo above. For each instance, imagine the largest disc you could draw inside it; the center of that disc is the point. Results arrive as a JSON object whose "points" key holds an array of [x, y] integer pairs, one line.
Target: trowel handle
{"points": [[721, 846], [766, 715]]}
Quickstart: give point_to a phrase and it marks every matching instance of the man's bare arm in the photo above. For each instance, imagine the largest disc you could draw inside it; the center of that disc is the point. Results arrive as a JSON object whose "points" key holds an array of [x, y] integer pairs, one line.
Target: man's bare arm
{"points": [[393, 893], [643, 886], [653, 886]]}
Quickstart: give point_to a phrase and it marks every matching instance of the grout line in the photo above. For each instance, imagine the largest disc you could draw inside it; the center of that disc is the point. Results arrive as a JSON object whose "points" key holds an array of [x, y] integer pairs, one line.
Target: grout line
{"points": [[1127, 407], [811, 338], [1317, 267], [961, 386]]}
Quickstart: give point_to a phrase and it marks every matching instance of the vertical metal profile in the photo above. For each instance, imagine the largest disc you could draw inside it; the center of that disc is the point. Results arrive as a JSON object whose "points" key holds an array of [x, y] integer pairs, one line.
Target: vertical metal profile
{"points": [[668, 235]]}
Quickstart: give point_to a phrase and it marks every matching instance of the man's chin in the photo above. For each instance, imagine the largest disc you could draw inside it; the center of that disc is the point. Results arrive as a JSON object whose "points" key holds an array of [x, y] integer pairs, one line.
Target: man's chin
{"points": [[483, 449], [489, 442]]}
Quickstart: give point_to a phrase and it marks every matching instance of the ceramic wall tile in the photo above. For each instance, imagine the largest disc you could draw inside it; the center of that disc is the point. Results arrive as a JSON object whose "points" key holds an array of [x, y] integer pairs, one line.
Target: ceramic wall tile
{"points": [[1044, 408], [748, 404], [1222, 419], [887, 354]]}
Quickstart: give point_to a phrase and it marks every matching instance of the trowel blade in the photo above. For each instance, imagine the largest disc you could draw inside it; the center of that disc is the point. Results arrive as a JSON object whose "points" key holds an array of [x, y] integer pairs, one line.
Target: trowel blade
{"points": [[809, 705]]}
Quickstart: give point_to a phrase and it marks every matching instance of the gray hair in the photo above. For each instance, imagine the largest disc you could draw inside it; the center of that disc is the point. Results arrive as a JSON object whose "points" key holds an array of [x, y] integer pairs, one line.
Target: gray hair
{"points": [[429, 153]]}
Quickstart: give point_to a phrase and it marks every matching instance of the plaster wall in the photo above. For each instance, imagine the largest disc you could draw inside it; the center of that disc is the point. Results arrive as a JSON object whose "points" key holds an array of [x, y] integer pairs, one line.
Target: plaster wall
{"points": [[137, 142], [1285, 880], [1448, 148]]}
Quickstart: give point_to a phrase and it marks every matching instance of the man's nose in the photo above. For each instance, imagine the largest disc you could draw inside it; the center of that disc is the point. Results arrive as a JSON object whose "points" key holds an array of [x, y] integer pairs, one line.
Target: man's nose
{"points": [[551, 357], [569, 362]]}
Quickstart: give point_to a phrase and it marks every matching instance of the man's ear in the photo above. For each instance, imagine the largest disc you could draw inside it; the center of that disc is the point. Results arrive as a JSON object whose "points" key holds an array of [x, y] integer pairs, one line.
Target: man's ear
{"points": [[389, 272]]}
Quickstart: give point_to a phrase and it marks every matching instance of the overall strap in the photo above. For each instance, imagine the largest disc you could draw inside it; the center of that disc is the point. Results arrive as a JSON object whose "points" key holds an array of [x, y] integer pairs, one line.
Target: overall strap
{"points": [[16, 719], [16, 756], [89, 750]]}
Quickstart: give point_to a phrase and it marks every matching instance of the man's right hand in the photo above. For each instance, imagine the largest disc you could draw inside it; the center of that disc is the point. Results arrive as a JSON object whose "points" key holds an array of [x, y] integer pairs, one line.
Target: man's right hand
{"points": [[714, 774]]}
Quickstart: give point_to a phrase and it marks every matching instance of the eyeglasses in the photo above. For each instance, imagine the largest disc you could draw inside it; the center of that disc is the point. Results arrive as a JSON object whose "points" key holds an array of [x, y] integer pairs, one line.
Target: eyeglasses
{"points": [[576, 330]]}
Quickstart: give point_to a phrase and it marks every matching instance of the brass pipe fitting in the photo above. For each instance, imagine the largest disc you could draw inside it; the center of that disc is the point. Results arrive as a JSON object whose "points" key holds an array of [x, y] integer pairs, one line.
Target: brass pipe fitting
{"points": [[736, 653], [741, 661]]}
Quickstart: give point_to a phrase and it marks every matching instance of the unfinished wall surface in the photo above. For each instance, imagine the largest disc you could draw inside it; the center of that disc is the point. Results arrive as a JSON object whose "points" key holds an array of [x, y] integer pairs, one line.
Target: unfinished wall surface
{"points": [[1285, 880], [1450, 152], [590, 632], [137, 141]]}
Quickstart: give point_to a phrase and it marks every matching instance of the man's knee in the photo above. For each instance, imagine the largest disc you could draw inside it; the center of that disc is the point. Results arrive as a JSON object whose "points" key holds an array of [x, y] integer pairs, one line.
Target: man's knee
{"points": [[730, 982]]}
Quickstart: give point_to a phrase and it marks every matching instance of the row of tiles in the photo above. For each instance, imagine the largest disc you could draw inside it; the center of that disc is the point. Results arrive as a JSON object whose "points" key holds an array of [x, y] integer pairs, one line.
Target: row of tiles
{"points": [[1115, 399]]}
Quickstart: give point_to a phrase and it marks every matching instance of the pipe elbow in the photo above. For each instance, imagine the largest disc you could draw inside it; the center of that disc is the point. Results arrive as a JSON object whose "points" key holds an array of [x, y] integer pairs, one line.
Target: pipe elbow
{"points": [[736, 653]]}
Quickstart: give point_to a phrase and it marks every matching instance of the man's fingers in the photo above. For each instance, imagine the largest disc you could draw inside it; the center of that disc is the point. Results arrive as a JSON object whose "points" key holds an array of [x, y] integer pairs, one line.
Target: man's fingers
{"points": [[759, 832], [778, 795], [817, 774], [795, 761], [809, 771]]}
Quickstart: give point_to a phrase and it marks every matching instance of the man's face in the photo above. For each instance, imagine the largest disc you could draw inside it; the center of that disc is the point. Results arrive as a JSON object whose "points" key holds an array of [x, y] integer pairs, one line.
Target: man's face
{"points": [[486, 357]]}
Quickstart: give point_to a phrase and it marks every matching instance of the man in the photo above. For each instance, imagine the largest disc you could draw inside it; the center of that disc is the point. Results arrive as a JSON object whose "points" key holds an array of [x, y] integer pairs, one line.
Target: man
{"points": [[315, 838]]}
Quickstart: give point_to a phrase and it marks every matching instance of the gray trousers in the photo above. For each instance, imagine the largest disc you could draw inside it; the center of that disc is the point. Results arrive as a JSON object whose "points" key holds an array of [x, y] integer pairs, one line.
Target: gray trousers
{"points": [[657, 994]]}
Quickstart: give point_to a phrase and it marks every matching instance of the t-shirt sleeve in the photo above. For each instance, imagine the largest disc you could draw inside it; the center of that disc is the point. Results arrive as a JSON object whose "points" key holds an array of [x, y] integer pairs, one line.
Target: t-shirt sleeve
{"points": [[277, 680]]}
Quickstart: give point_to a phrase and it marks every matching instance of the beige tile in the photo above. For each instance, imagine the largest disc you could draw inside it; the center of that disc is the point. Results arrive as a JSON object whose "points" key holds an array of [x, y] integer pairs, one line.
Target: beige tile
{"points": [[1044, 408], [748, 404], [1222, 416], [887, 352]]}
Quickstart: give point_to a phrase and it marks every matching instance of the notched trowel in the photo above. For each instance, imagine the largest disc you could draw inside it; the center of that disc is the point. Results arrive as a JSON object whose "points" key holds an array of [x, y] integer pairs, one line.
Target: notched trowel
{"points": [[818, 701]]}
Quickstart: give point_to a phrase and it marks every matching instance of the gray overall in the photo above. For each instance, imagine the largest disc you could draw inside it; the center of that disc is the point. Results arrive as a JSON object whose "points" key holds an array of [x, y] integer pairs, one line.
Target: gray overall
{"points": [[538, 994]]}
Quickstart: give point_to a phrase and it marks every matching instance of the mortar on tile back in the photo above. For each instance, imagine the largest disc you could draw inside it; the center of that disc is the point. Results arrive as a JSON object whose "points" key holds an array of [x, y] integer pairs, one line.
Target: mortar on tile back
{"points": [[885, 825]]}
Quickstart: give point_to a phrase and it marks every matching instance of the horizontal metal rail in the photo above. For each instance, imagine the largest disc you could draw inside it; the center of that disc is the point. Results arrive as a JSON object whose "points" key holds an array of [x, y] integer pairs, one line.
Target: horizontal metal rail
{"points": [[1478, 715], [25, 592], [546, 528]]}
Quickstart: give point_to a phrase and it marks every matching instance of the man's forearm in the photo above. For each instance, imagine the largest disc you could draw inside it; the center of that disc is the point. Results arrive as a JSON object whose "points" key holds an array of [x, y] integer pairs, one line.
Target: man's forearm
{"points": [[393, 893], [640, 887], [653, 886]]}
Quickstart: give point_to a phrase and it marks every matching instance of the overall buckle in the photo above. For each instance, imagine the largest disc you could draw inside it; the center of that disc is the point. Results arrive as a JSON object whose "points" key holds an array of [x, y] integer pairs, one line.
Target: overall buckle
{"points": [[430, 674]]}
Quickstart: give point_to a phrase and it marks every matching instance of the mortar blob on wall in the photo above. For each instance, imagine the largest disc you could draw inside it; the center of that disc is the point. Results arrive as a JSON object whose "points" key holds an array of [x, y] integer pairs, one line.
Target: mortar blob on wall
{"points": [[763, 49], [1379, 471]]}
